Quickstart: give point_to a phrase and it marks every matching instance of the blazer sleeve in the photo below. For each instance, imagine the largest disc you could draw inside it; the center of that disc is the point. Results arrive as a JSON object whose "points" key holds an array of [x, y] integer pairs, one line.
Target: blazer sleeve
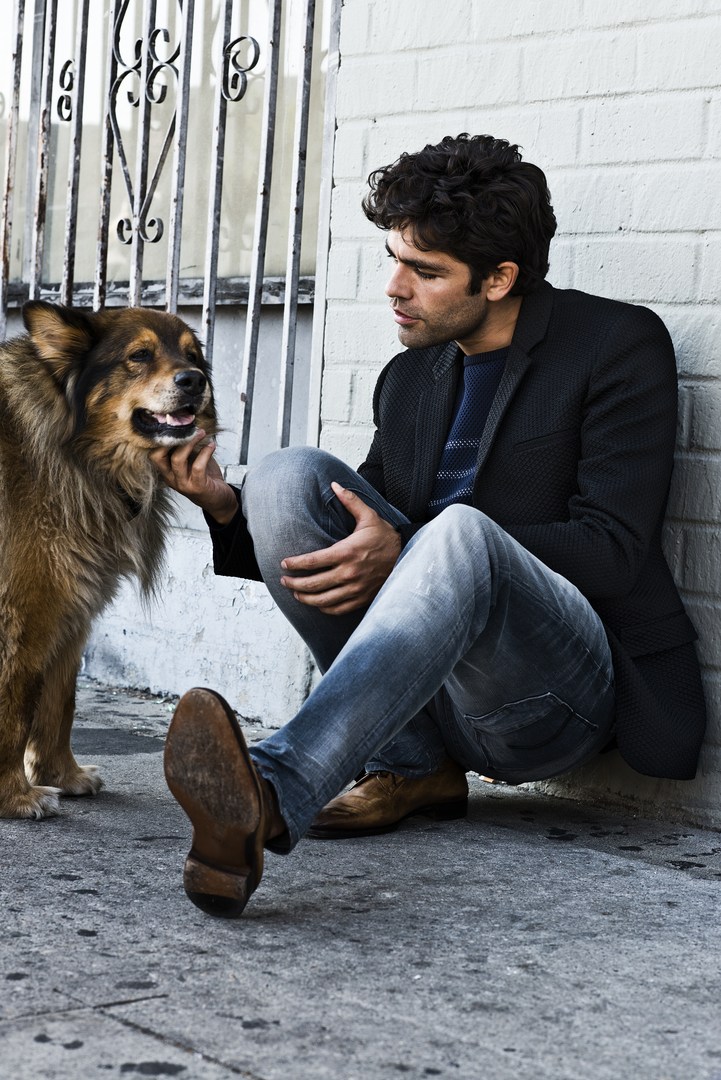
{"points": [[233, 551], [627, 443]]}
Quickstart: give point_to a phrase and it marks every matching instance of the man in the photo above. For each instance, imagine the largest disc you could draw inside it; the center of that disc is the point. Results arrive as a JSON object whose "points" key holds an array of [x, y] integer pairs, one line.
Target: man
{"points": [[488, 591]]}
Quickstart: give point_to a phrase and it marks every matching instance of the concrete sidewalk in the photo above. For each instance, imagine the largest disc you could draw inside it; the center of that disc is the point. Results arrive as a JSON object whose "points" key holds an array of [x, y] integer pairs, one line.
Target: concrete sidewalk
{"points": [[536, 939]]}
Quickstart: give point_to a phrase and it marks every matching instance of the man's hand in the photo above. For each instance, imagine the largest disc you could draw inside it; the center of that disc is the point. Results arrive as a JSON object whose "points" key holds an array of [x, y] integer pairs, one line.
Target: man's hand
{"points": [[347, 575], [196, 474]]}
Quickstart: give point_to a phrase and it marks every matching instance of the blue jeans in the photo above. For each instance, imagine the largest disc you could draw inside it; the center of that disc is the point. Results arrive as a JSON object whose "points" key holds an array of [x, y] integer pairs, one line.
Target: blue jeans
{"points": [[472, 649]]}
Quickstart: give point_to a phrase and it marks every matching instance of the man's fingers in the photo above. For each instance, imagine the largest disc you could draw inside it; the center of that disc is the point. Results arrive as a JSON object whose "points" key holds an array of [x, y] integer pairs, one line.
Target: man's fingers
{"points": [[353, 503]]}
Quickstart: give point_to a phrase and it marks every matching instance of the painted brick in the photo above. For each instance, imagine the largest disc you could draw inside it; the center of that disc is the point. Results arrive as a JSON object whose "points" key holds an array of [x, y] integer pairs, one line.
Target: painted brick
{"points": [[705, 618], [693, 554], [549, 138], [343, 271], [351, 139], [336, 398], [714, 128], [680, 197], [397, 135], [710, 284], [637, 269], [561, 259], [618, 12], [358, 333], [364, 383], [372, 87], [696, 489], [703, 402], [685, 410], [578, 65], [408, 24], [696, 333], [593, 200], [679, 55], [663, 127], [491, 77], [347, 217], [355, 27], [523, 18], [349, 443]]}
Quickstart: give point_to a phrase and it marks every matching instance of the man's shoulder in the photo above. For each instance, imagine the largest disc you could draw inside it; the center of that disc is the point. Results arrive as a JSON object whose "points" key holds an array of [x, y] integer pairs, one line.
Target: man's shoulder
{"points": [[590, 308]]}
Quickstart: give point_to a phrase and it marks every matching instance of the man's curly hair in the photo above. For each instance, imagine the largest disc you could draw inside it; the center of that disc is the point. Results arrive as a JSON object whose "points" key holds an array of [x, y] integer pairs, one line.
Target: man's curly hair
{"points": [[474, 198]]}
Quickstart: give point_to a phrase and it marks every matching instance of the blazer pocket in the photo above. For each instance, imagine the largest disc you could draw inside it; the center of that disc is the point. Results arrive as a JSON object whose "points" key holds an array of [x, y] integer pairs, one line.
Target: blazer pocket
{"points": [[562, 436]]}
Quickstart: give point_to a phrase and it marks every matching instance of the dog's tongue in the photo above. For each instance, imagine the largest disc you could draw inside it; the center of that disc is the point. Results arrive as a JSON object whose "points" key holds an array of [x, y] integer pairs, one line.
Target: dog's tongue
{"points": [[179, 419]]}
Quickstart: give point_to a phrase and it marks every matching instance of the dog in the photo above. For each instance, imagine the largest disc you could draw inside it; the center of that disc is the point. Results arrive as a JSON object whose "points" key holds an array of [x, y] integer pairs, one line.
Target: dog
{"points": [[84, 398]]}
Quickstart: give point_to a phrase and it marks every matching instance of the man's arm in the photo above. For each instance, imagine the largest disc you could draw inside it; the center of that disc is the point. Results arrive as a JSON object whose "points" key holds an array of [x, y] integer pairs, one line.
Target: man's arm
{"points": [[627, 445], [198, 477]]}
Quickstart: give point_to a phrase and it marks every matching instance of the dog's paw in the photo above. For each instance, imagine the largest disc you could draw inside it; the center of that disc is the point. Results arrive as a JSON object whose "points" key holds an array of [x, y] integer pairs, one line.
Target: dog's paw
{"points": [[36, 802], [85, 780]]}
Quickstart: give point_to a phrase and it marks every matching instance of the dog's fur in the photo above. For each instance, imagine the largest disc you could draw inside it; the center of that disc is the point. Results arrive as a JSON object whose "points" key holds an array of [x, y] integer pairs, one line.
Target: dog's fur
{"points": [[84, 398]]}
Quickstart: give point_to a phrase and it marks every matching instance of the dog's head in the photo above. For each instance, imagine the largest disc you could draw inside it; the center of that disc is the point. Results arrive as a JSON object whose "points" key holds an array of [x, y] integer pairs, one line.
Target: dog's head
{"points": [[132, 376]]}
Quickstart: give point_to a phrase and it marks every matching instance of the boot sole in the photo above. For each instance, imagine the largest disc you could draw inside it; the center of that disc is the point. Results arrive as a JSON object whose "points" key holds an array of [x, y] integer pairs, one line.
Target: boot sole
{"points": [[447, 811], [210, 773]]}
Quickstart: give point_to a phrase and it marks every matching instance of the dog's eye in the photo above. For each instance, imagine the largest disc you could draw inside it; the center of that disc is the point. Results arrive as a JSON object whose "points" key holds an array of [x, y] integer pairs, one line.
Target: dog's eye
{"points": [[141, 356], [191, 357]]}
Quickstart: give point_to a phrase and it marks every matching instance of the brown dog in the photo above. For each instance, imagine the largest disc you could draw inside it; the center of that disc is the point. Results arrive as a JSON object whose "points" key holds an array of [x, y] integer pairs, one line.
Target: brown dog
{"points": [[83, 399]]}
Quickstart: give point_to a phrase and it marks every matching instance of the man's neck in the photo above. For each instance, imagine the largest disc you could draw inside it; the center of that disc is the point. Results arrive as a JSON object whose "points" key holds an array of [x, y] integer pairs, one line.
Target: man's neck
{"points": [[497, 329]]}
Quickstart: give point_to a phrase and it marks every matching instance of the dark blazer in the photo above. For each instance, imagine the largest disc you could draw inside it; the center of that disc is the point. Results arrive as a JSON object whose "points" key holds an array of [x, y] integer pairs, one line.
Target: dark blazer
{"points": [[574, 462]]}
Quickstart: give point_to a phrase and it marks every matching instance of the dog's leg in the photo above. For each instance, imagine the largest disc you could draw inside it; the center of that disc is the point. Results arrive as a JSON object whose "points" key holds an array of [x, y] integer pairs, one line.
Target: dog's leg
{"points": [[19, 693], [48, 758]]}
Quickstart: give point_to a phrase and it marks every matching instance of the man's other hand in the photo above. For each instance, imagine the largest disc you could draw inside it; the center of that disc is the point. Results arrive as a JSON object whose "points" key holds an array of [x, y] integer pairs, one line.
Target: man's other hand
{"points": [[347, 575]]}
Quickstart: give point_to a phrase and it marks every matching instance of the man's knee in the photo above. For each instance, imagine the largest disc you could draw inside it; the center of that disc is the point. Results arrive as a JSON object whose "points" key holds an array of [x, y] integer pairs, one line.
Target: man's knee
{"points": [[292, 470]]}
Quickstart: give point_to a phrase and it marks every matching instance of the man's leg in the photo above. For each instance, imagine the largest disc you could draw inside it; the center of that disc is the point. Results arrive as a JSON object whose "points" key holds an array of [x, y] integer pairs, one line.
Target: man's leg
{"points": [[291, 509], [521, 656]]}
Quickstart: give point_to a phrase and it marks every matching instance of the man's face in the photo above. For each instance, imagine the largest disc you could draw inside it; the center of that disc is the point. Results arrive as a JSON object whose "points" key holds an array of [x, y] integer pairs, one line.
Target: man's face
{"points": [[429, 296]]}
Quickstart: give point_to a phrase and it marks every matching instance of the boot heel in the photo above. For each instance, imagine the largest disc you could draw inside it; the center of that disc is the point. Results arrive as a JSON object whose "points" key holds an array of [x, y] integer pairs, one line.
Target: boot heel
{"points": [[215, 891], [448, 811]]}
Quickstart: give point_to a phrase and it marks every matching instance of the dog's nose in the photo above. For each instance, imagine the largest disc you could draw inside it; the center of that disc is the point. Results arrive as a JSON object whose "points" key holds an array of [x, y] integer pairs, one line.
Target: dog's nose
{"points": [[192, 381]]}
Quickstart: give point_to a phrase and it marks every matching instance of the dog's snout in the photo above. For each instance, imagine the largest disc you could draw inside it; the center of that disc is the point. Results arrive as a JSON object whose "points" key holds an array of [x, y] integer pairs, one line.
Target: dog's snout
{"points": [[192, 381]]}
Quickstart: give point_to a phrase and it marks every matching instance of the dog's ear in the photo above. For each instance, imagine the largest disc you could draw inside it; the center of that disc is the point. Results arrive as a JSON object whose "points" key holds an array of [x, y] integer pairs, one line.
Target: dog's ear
{"points": [[61, 335]]}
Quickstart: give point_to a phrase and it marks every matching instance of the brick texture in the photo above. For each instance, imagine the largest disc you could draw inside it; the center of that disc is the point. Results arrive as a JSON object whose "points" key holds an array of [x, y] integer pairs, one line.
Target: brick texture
{"points": [[620, 103]]}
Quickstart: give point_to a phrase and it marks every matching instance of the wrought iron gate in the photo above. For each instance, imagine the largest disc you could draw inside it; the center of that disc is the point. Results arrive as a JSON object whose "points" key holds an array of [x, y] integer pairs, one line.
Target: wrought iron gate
{"points": [[172, 76]]}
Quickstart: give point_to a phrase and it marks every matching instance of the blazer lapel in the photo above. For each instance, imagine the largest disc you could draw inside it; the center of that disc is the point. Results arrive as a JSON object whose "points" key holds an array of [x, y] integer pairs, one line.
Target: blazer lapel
{"points": [[433, 418], [530, 329]]}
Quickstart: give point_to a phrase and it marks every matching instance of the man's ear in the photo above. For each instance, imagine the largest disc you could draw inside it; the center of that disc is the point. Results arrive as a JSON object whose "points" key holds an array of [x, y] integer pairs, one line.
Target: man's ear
{"points": [[501, 280], [61, 335]]}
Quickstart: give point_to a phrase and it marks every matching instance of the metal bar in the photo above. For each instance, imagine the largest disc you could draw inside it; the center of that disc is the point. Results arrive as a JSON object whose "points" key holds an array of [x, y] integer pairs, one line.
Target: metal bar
{"points": [[43, 162], [100, 289], [262, 211], [76, 139], [295, 228], [141, 163], [6, 222], [33, 127], [220, 105], [324, 209], [178, 182]]}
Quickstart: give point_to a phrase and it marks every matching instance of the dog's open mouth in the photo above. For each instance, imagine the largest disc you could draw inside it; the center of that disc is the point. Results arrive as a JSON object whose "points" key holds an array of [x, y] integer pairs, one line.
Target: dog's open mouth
{"points": [[180, 424]]}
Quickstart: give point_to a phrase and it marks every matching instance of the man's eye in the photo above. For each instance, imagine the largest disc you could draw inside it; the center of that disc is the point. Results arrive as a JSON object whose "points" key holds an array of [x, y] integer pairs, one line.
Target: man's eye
{"points": [[426, 277]]}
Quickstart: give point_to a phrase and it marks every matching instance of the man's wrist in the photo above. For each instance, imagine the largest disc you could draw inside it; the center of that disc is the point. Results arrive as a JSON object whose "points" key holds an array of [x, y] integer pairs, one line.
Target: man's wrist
{"points": [[224, 513]]}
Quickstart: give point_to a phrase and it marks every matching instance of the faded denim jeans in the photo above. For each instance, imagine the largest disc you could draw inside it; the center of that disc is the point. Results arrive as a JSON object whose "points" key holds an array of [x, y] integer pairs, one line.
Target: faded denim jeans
{"points": [[472, 649]]}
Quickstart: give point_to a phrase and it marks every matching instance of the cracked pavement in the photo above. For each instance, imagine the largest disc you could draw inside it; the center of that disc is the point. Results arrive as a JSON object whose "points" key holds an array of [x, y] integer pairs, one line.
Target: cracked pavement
{"points": [[539, 938]]}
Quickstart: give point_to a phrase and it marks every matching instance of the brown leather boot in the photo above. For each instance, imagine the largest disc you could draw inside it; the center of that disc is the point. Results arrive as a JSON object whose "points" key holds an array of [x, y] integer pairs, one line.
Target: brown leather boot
{"points": [[380, 801], [231, 807]]}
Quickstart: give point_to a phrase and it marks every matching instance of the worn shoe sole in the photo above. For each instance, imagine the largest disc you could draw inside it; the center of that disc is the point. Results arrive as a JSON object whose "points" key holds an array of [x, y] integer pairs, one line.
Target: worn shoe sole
{"points": [[210, 773], [446, 811]]}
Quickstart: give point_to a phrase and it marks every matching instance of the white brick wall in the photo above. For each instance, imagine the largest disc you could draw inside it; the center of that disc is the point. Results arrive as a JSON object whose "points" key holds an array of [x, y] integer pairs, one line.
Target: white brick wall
{"points": [[620, 103]]}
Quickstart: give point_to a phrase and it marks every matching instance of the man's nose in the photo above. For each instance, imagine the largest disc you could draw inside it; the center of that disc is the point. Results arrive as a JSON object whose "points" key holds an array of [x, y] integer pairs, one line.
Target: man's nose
{"points": [[399, 282]]}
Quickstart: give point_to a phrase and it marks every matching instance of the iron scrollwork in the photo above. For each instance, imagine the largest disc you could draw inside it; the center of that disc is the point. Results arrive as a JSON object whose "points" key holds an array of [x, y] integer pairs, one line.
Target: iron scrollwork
{"points": [[235, 74], [161, 71]]}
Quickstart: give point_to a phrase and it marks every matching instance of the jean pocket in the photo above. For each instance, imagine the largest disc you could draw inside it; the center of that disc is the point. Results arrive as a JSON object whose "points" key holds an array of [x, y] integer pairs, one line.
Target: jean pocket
{"points": [[530, 733]]}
